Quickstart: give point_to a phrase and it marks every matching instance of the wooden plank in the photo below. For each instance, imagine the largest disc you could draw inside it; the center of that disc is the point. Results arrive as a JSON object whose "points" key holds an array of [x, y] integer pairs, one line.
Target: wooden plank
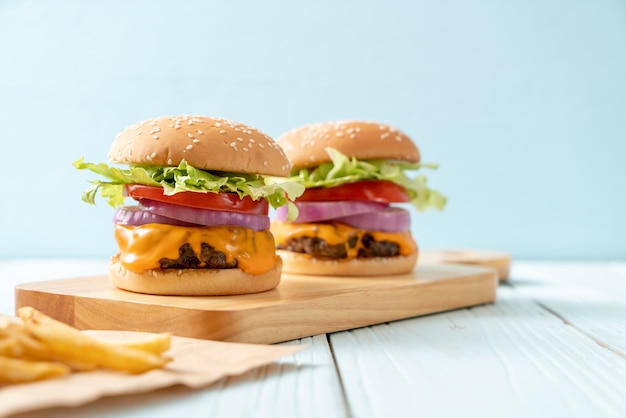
{"points": [[606, 277], [304, 385], [589, 297], [511, 358], [498, 260], [300, 306]]}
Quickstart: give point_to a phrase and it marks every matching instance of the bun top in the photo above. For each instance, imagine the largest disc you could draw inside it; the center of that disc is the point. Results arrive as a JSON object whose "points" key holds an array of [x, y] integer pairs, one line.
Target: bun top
{"points": [[204, 142], [305, 146]]}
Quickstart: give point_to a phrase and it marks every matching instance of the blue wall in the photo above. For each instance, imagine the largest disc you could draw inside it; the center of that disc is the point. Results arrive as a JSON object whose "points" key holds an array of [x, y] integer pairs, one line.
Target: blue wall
{"points": [[523, 104]]}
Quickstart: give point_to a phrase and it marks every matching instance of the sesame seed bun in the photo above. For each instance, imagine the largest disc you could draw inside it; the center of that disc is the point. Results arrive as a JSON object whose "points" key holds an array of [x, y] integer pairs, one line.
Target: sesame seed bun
{"points": [[305, 145], [194, 282], [298, 263], [204, 142]]}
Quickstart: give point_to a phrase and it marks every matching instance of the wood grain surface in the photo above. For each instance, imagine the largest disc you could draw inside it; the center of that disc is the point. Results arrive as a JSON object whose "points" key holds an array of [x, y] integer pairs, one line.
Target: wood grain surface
{"points": [[300, 306]]}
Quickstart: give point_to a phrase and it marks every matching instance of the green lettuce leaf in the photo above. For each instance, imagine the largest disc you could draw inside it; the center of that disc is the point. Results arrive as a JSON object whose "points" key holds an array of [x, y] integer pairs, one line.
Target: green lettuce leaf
{"points": [[343, 170], [186, 178]]}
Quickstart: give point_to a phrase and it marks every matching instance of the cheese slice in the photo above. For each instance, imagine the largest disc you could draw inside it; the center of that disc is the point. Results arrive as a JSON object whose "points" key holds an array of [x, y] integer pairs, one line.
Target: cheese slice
{"points": [[337, 233], [141, 247]]}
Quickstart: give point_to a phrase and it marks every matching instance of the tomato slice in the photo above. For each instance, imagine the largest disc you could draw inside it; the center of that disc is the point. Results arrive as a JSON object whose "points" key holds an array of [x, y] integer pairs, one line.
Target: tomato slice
{"points": [[217, 201], [365, 190]]}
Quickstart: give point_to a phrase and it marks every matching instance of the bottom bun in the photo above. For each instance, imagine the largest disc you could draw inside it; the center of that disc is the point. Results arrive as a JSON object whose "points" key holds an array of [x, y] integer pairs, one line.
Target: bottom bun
{"points": [[298, 263], [194, 282]]}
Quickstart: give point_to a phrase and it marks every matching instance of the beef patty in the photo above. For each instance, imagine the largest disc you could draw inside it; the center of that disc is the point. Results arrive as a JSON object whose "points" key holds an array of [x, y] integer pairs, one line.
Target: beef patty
{"points": [[209, 258], [317, 247]]}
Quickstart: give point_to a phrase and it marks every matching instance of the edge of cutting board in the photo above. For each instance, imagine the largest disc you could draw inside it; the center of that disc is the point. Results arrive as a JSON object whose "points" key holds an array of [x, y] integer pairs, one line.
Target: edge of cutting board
{"points": [[501, 261], [300, 306]]}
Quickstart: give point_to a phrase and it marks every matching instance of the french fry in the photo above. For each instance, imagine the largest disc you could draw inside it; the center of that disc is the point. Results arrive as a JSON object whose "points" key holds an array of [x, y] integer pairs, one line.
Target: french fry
{"points": [[10, 328], [151, 343], [71, 345], [10, 331], [9, 347], [30, 315], [80, 348], [36, 346], [34, 349], [7, 322], [14, 370]]}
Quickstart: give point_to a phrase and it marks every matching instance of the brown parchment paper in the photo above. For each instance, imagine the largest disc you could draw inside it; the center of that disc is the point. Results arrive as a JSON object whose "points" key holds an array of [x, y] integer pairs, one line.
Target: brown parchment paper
{"points": [[196, 363]]}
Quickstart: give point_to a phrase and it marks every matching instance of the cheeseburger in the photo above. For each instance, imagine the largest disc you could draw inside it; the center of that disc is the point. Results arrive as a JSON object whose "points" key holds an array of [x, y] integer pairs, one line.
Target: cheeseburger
{"points": [[349, 222], [200, 223]]}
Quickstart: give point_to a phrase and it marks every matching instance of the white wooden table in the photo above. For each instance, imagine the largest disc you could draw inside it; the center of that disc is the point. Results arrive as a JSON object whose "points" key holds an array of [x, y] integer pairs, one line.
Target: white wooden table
{"points": [[553, 345]]}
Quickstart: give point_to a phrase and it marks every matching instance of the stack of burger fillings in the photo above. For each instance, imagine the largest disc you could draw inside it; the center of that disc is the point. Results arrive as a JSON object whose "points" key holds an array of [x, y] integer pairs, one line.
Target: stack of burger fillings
{"points": [[347, 223], [201, 224]]}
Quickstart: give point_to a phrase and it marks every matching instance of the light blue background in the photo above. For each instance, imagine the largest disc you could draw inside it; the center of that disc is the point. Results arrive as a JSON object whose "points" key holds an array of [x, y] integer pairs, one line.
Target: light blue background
{"points": [[522, 103]]}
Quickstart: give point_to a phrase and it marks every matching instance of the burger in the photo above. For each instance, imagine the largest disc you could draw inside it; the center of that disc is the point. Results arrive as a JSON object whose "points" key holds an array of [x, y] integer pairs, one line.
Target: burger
{"points": [[199, 222], [351, 220]]}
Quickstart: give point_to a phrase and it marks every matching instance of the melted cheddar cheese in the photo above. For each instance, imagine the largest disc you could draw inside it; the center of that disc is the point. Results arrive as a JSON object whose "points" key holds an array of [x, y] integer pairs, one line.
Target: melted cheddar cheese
{"points": [[336, 233], [141, 247]]}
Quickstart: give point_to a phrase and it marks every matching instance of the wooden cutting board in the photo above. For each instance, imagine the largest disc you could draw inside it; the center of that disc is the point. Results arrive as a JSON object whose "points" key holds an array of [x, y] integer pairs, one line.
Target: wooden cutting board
{"points": [[498, 260], [300, 306]]}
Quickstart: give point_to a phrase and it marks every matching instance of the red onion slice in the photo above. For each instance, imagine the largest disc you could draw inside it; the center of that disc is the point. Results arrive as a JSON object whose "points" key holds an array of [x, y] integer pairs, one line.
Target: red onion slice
{"points": [[391, 219], [323, 211], [206, 216], [136, 216]]}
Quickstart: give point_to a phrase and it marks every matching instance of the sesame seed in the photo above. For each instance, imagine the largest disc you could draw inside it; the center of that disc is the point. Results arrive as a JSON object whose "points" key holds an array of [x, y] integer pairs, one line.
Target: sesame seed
{"points": [[155, 136], [177, 127], [264, 163], [233, 144], [218, 125], [169, 161], [139, 133], [171, 125], [195, 141], [239, 139], [222, 132], [339, 133], [245, 149], [398, 138], [189, 146], [153, 155], [200, 132], [149, 158], [180, 272], [154, 273], [252, 140], [190, 135], [261, 145]]}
